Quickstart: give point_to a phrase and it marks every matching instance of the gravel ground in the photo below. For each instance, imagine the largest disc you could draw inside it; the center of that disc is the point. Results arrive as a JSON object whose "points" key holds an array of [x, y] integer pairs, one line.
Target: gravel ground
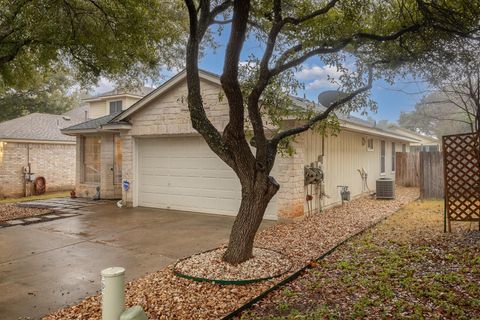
{"points": [[404, 268], [10, 211], [209, 265], [165, 296]]}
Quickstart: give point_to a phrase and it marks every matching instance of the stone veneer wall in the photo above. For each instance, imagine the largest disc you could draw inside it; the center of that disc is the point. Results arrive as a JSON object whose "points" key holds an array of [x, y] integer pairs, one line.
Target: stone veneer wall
{"points": [[54, 162], [291, 195], [107, 189], [168, 115]]}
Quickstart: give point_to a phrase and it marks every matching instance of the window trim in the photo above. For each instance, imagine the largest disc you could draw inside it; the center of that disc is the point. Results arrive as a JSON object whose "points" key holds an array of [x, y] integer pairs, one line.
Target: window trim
{"points": [[83, 171], [116, 138], [383, 152], [110, 106], [394, 156], [373, 145]]}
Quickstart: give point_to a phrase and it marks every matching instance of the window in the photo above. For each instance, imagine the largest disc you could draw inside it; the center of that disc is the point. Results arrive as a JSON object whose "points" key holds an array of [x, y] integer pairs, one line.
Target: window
{"points": [[370, 144], [393, 156], [382, 156], [115, 106], [404, 147], [91, 159], [117, 162]]}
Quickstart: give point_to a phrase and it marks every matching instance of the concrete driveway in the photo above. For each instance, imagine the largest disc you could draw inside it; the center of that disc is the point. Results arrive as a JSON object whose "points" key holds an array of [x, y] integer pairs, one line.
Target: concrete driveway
{"points": [[49, 265]]}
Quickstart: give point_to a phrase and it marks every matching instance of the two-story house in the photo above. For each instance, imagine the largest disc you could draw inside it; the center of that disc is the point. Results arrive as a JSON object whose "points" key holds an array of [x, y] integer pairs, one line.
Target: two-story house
{"points": [[150, 155]]}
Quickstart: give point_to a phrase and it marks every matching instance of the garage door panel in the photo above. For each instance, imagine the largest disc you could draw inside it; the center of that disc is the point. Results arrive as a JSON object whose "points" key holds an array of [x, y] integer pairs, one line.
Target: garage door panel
{"points": [[191, 203], [182, 173], [189, 183], [220, 174]]}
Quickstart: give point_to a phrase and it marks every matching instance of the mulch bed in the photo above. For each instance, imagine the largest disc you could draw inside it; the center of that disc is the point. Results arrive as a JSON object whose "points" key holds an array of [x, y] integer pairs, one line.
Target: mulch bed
{"points": [[9, 211], [166, 296], [210, 267], [404, 268]]}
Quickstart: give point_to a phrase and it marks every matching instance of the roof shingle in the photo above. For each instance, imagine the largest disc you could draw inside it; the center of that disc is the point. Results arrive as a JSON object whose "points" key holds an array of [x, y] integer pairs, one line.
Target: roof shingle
{"points": [[39, 126]]}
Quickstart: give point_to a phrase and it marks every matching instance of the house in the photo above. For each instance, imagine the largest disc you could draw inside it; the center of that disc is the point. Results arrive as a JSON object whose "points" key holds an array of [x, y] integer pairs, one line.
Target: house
{"points": [[423, 143], [114, 101], [162, 162], [36, 140]]}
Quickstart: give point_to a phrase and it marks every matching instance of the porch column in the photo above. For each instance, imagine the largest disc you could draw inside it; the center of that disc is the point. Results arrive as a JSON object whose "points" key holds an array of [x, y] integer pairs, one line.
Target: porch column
{"points": [[106, 167], [291, 195], [128, 169]]}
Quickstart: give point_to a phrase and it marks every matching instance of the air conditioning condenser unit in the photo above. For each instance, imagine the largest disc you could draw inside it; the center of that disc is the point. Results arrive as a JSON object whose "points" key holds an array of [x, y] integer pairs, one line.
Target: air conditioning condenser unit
{"points": [[385, 188]]}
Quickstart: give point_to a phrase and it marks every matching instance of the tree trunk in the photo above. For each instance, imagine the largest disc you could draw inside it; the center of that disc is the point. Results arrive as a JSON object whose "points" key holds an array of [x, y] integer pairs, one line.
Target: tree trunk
{"points": [[252, 208]]}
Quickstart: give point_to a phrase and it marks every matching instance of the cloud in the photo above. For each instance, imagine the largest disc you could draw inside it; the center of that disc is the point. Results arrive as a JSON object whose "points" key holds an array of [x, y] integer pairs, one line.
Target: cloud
{"points": [[321, 84], [321, 76], [103, 85]]}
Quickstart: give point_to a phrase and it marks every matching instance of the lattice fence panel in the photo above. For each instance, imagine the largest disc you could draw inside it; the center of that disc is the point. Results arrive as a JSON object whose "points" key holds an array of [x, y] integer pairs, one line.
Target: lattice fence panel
{"points": [[462, 177]]}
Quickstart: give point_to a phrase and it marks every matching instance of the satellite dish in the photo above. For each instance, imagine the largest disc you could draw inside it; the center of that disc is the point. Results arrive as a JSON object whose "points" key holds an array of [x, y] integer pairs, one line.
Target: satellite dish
{"points": [[326, 98]]}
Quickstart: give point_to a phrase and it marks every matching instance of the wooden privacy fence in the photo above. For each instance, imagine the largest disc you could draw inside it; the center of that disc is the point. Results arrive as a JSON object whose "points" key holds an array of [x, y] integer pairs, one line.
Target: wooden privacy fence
{"points": [[407, 169], [423, 170], [431, 175], [462, 177]]}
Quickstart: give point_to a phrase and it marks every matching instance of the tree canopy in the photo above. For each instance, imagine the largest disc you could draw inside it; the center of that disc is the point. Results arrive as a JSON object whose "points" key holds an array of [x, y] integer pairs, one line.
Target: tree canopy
{"points": [[49, 91], [437, 116], [124, 39]]}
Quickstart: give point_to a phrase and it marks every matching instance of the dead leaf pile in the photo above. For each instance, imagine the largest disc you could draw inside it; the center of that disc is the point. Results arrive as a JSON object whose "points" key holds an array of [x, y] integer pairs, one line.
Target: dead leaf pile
{"points": [[209, 265], [404, 268], [165, 296], [9, 211]]}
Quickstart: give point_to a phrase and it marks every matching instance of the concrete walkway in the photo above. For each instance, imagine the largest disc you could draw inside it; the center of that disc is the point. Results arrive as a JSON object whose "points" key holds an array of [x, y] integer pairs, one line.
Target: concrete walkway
{"points": [[48, 265]]}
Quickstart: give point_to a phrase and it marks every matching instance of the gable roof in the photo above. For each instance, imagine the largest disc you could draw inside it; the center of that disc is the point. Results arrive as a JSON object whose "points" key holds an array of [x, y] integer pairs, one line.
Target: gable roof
{"points": [[354, 123], [92, 124], [170, 83], [135, 92], [39, 127], [116, 121]]}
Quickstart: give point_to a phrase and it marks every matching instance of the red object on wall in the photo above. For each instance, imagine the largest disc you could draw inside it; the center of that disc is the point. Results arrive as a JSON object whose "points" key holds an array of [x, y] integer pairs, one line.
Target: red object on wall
{"points": [[39, 186]]}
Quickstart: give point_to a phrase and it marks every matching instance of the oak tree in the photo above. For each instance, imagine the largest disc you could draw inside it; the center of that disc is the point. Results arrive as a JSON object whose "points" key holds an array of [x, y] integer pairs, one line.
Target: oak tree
{"points": [[48, 92], [121, 40], [382, 37]]}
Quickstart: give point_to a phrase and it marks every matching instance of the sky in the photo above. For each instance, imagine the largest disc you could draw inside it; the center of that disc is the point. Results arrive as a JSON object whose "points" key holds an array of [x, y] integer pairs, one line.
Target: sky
{"points": [[391, 99]]}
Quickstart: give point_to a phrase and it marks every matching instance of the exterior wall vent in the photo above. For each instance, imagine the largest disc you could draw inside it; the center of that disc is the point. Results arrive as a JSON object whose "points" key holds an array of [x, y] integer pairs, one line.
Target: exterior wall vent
{"points": [[385, 188]]}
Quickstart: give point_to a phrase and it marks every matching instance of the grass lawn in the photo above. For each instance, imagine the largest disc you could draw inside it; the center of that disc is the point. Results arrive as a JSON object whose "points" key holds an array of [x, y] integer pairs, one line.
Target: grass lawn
{"points": [[40, 197], [404, 268]]}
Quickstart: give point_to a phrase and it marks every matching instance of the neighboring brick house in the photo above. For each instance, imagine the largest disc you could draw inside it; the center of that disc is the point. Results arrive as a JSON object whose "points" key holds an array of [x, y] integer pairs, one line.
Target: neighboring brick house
{"points": [[36, 139], [152, 147]]}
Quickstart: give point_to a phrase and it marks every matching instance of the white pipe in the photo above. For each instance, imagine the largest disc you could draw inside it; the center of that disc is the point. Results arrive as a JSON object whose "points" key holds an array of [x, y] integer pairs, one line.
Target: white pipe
{"points": [[113, 293]]}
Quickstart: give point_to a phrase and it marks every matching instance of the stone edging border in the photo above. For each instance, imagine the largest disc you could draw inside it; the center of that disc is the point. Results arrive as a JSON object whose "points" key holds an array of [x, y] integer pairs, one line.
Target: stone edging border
{"points": [[41, 218], [227, 282]]}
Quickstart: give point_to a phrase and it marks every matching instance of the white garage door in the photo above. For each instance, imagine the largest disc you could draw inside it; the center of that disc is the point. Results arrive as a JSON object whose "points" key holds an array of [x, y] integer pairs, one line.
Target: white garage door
{"points": [[182, 173]]}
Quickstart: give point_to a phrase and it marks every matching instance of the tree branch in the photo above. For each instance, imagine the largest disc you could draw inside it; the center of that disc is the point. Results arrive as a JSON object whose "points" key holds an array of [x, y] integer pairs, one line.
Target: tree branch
{"points": [[282, 66], [200, 121], [229, 78], [323, 115], [221, 8], [312, 15]]}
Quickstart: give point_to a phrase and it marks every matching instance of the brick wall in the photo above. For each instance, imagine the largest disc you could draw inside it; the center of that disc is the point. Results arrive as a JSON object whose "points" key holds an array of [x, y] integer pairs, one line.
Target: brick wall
{"points": [[54, 162]]}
